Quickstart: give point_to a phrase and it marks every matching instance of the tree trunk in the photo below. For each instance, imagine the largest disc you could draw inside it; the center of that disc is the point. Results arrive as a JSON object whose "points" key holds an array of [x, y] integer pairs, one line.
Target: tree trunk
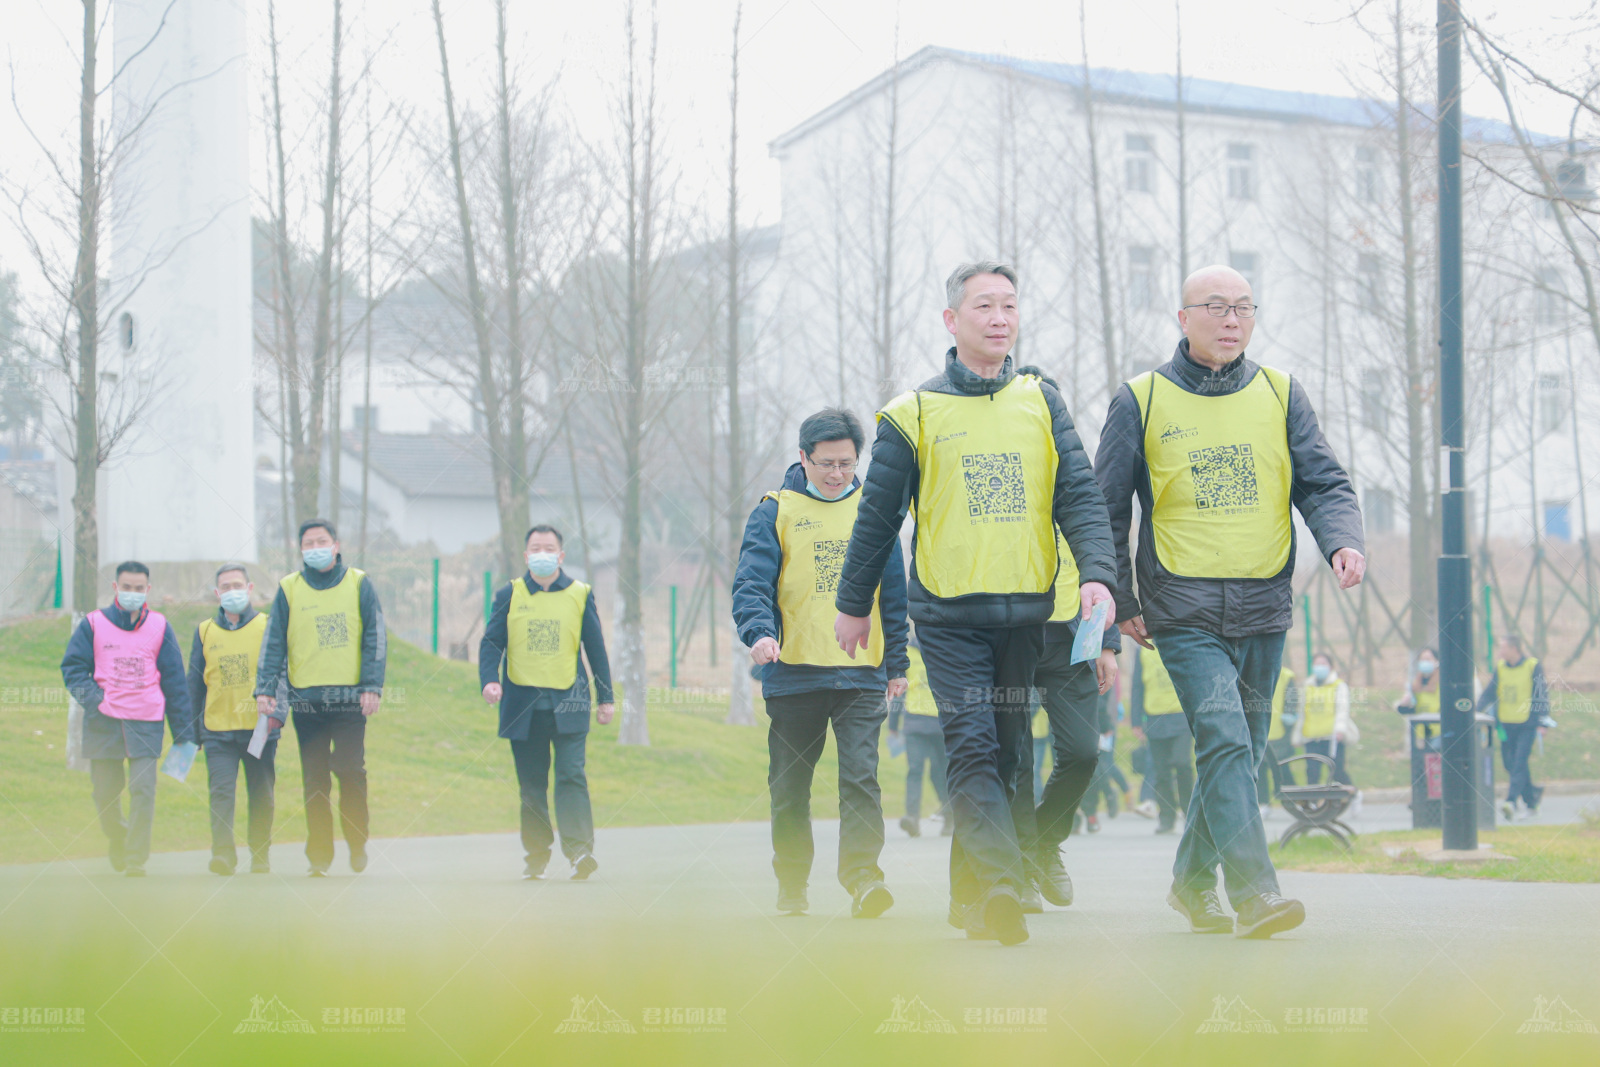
{"points": [[740, 711], [886, 382], [514, 515], [291, 417], [86, 306], [1107, 322]]}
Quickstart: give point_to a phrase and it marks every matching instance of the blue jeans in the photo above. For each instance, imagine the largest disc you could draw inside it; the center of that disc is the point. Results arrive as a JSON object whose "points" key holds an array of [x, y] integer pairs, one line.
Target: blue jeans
{"points": [[1225, 686], [1515, 751]]}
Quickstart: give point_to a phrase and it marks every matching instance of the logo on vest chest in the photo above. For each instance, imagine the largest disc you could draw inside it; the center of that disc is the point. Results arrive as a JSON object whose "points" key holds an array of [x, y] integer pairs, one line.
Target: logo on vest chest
{"points": [[1173, 432], [940, 439], [806, 523]]}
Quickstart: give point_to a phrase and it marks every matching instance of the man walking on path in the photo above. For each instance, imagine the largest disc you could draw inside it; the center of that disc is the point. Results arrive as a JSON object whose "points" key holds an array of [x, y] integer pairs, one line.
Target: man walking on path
{"points": [[991, 463], [1217, 448], [1519, 699]]}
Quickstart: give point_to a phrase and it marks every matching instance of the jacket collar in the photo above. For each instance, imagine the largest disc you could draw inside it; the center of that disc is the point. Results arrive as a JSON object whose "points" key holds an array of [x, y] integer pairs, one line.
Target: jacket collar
{"points": [[1203, 380], [966, 381], [122, 620], [563, 579], [245, 616], [325, 579]]}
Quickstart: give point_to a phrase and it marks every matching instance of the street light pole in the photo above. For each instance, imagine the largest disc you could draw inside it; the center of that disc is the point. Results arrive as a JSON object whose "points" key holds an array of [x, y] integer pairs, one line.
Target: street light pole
{"points": [[1457, 729]]}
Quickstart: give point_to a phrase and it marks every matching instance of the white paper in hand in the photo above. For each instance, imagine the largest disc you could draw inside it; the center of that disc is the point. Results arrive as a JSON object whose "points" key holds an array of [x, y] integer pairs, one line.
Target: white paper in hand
{"points": [[258, 739], [1087, 644], [180, 757]]}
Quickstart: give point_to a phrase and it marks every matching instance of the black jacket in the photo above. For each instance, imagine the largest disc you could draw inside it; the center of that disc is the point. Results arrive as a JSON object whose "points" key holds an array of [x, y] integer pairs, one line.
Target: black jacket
{"points": [[519, 703], [1234, 607], [273, 666], [892, 483]]}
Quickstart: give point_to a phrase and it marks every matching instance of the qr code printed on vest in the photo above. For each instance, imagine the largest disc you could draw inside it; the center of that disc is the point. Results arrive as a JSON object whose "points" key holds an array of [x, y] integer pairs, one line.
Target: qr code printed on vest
{"points": [[994, 484], [332, 631], [128, 668], [1224, 477], [544, 635], [234, 669], [829, 556]]}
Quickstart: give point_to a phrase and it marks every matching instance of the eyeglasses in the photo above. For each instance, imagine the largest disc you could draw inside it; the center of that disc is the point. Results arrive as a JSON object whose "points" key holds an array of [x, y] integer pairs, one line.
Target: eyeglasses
{"points": [[843, 466], [1220, 311]]}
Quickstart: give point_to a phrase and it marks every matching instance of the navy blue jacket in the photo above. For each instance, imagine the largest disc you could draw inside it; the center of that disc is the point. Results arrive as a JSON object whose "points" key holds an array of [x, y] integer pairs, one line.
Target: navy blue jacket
{"points": [[755, 608], [103, 736], [273, 666], [520, 703], [197, 682]]}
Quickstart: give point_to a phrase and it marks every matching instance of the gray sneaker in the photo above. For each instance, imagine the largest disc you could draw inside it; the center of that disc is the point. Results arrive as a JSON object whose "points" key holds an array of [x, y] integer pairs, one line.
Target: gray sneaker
{"points": [[870, 900], [792, 900]]}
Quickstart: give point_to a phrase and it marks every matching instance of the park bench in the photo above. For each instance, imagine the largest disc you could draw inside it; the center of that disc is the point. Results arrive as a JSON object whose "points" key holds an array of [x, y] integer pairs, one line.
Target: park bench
{"points": [[1317, 807]]}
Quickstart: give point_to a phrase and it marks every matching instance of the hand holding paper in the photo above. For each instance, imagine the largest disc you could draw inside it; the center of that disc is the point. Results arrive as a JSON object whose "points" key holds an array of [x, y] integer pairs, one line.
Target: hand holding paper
{"points": [[179, 759]]}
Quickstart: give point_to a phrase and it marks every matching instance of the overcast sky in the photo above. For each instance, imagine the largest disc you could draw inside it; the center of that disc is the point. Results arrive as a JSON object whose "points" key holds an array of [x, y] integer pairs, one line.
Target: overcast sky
{"points": [[798, 56]]}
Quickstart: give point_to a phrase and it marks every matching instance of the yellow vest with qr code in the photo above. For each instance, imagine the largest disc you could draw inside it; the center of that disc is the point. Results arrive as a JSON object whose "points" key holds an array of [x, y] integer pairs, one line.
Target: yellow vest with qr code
{"points": [[814, 535], [230, 675], [324, 631], [1220, 475], [543, 632], [986, 489], [1319, 711], [1514, 690], [1069, 605]]}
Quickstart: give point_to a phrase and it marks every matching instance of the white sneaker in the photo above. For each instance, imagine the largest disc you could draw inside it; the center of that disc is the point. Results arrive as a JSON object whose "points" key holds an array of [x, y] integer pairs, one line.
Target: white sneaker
{"points": [[1508, 810]]}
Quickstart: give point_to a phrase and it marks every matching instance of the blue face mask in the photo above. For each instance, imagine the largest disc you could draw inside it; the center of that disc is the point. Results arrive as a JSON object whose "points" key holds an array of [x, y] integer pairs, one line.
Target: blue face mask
{"points": [[234, 601], [814, 491], [318, 559], [543, 564], [130, 602], [1320, 672]]}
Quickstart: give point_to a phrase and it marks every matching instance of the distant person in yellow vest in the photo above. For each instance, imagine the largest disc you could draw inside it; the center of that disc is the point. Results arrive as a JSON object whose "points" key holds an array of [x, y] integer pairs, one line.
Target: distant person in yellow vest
{"points": [[914, 719], [1422, 688], [992, 465], [1285, 713], [1519, 699], [326, 636], [1219, 451], [529, 664], [222, 679], [783, 589], [1325, 727], [1157, 718]]}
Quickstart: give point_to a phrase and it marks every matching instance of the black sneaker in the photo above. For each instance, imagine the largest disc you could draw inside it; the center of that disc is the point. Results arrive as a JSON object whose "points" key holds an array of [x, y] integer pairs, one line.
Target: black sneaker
{"points": [[999, 916], [317, 872], [1053, 880], [358, 860], [1202, 909], [911, 826], [584, 866], [870, 900], [792, 900], [1267, 914], [134, 871], [220, 866], [533, 870]]}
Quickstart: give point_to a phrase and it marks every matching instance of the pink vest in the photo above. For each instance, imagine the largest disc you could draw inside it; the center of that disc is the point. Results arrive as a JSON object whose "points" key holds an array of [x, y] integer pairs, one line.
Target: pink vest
{"points": [[125, 667]]}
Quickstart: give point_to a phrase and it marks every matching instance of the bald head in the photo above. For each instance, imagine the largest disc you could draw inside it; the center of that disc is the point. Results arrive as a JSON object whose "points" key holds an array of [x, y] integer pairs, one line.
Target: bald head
{"points": [[1215, 341], [1212, 281]]}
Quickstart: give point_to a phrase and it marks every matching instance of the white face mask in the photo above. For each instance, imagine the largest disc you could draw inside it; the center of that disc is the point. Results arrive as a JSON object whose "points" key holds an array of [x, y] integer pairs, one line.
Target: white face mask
{"points": [[1320, 672], [234, 601], [1426, 667], [543, 564], [129, 601]]}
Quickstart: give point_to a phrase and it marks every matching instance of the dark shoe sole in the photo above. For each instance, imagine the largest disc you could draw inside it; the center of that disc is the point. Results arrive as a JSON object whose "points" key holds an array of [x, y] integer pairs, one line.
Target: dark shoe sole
{"points": [[1002, 916], [874, 903], [585, 866], [1222, 926], [793, 907], [1276, 922], [358, 861], [221, 866], [1032, 903]]}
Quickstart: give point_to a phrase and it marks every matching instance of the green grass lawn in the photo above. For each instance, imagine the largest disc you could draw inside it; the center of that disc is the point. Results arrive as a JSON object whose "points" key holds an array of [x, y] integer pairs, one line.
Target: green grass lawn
{"points": [[1541, 854]]}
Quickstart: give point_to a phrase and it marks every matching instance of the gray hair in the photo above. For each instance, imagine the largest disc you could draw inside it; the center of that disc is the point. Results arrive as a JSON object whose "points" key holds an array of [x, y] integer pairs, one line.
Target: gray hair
{"points": [[226, 567], [956, 288]]}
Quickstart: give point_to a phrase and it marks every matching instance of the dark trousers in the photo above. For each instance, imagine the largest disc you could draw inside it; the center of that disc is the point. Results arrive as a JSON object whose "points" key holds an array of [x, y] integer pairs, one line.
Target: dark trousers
{"points": [[981, 679], [1070, 696], [128, 841], [1107, 783], [1274, 767], [1514, 752], [332, 741], [1172, 769], [798, 729], [574, 817], [1324, 746], [1225, 686], [924, 750], [224, 753]]}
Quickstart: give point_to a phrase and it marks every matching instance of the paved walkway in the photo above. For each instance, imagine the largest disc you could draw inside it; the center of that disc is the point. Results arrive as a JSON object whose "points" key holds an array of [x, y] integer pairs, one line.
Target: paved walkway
{"points": [[439, 954]]}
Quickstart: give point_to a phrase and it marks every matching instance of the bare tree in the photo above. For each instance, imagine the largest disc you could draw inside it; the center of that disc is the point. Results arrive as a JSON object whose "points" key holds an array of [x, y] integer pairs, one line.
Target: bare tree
{"points": [[1107, 317]]}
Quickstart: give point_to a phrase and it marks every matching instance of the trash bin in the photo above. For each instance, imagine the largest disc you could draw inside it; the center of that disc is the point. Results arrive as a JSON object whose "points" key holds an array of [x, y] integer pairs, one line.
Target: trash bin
{"points": [[1427, 770]]}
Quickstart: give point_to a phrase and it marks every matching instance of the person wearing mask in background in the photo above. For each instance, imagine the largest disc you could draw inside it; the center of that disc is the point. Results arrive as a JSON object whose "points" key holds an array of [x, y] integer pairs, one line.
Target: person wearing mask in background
{"points": [[914, 718], [124, 668], [326, 636], [1070, 695], [222, 675], [783, 588], [1422, 688], [1157, 719], [1519, 699], [530, 662], [1325, 727], [1220, 451], [1285, 713]]}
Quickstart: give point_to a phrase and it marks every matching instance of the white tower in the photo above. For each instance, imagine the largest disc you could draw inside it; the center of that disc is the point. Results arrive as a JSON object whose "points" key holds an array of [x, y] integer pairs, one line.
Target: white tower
{"points": [[183, 487]]}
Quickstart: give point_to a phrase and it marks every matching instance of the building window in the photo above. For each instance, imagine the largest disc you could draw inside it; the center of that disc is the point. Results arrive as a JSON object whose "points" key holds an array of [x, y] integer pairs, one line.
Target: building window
{"points": [[1552, 403], [1374, 401], [1141, 278], [125, 330], [1377, 510], [1241, 172], [1558, 520], [1369, 276], [1548, 298], [1367, 175], [363, 417], [1139, 166], [1246, 263]]}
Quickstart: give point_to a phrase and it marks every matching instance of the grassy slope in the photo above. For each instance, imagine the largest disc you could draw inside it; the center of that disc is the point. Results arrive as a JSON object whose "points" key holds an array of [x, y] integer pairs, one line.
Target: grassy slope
{"points": [[1542, 854]]}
